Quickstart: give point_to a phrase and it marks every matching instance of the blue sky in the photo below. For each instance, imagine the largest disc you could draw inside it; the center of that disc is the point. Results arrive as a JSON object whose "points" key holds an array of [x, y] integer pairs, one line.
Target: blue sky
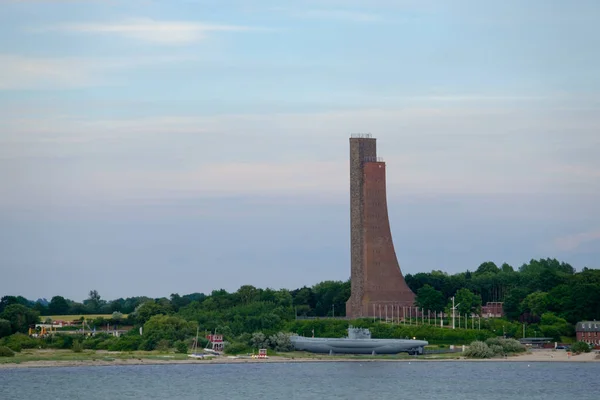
{"points": [[152, 147]]}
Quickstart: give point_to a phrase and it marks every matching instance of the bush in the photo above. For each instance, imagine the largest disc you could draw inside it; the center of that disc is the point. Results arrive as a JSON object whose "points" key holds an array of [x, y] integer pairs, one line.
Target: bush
{"points": [[507, 345], [513, 346], [479, 349], [259, 340], [126, 343], [181, 347], [6, 352], [20, 341], [236, 348], [498, 350], [77, 346], [580, 347], [61, 342], [163, 345], [281, 342]]}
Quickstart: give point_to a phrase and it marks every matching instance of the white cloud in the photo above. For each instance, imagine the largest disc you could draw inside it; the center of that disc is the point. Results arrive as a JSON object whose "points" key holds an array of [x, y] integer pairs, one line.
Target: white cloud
{"points": [[25, 72], [153, 31], [428, 151]]}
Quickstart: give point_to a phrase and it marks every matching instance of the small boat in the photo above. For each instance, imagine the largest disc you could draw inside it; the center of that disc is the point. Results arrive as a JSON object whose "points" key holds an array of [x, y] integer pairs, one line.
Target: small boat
{"points": [[195, 354]]}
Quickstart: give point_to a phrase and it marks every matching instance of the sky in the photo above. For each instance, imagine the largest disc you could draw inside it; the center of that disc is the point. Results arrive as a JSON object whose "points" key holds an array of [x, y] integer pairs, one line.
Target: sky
{"points": [[156, 147]]}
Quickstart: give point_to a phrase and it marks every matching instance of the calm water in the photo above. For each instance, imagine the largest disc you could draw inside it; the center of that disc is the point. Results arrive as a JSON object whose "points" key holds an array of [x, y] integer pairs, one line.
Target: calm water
{"points": [[374, 380]]}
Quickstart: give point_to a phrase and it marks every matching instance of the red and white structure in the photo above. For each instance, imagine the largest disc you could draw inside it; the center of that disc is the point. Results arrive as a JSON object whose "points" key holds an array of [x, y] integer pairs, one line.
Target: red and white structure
{"points": [[216, 341]]}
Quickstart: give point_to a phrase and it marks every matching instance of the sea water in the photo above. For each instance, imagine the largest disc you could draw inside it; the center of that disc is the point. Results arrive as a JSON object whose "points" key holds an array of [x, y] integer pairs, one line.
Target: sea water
{"points": [[309, 380]]}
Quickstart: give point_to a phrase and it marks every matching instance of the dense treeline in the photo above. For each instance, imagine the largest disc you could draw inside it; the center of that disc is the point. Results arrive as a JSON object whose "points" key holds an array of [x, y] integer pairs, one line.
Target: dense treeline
{"points": [[548, 295], [537, 287]]}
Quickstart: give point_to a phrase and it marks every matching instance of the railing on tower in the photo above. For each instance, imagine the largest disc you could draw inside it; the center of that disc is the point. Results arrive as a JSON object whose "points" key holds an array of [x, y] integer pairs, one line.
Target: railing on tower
{"points": [[361, 136], [373, 159]]}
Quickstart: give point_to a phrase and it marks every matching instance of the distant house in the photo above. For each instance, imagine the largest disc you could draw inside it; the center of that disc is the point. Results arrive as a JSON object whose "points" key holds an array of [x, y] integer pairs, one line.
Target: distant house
{"points": [[492, 309], [588, 331]]}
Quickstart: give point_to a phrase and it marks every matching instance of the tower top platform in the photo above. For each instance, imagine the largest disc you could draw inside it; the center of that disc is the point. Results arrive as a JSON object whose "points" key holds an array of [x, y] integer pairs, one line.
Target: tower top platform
{"points": [[361, 136]]}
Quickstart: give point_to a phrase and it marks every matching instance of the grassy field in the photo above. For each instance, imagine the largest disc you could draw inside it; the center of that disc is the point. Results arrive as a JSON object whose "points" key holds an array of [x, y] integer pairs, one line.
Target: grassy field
{"points": [[74, 317], [87, 355]]}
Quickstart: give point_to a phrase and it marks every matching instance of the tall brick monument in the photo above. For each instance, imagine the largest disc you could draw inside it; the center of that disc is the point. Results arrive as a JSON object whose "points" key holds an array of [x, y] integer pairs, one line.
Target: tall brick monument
{"points": [[377, 282]]}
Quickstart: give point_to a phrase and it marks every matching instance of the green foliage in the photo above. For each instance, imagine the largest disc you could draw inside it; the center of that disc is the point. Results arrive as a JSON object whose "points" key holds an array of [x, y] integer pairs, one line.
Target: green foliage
{"points": [[77, 346], [58, 306], [5, 328], [259, 341], [181, 347], [161, 330], [20, 317], [61, 341], [536, 303], [19, 341], [6, 301], [148, 309], [430, 299], [496, 349], [555, 327], [507, 346], [547, 295], [281, 342], [236, 348], [126, 343], [572, 296], [580, 347], [487, 268], [467, 302], [6, 352], [162, 345], [479, 349]]}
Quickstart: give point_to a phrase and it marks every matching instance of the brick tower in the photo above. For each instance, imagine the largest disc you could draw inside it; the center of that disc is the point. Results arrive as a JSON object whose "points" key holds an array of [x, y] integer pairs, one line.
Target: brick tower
{"points": [[376, 279]]}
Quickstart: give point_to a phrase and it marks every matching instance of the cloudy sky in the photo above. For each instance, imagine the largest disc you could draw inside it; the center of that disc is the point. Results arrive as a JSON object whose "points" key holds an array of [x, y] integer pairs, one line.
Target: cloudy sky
{"points": [[152, 147]]}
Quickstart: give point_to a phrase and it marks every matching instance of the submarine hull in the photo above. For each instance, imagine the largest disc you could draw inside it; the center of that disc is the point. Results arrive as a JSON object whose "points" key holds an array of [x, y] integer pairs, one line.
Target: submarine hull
{"points": [[358, 346]]}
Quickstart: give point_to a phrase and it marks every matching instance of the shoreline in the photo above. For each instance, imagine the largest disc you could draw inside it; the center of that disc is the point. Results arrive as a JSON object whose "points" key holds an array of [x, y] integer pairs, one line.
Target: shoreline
{"points": [[535, 356]]}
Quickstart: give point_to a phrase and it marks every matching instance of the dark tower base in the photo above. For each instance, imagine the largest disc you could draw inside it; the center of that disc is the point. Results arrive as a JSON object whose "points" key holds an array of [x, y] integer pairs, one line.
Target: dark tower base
{"points": [[377, 283]]}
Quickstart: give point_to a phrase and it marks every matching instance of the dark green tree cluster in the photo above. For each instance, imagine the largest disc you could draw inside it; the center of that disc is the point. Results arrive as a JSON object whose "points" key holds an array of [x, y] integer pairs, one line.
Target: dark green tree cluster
{"points": [[536, 288]]}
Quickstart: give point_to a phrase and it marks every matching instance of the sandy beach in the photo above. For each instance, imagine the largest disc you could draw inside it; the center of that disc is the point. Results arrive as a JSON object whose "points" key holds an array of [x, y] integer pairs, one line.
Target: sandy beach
{"points": [[532, 356]]}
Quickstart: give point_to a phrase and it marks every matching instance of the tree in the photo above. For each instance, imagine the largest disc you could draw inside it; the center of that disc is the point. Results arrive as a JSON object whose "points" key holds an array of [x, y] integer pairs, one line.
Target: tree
{"points": [[430, 299], [58, 306], [248, 294], [117, 317], [94, 302], [20, 317], [467, 301], [5, 328], [536, 303], [169, 328], [6, 301], [487, 267], [145, 311], [512, 302], [507, 268]]}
